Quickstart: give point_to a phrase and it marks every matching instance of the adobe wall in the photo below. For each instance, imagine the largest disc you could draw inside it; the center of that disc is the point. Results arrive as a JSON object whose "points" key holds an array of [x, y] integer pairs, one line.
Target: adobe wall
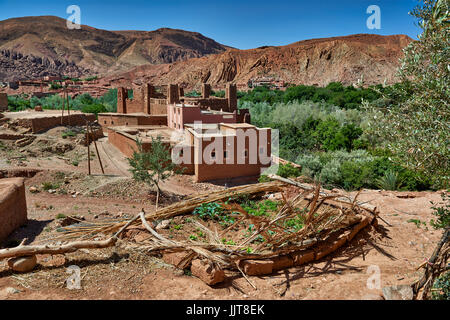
{"points": [[214, 171], [111, 120], [158, 106], [3, 102], [13, 206], [127, 145], [44, 123]]}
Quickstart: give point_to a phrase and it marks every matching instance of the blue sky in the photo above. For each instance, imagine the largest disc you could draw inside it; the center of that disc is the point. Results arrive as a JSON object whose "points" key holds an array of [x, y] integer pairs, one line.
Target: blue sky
{"points": [[242, 24]]}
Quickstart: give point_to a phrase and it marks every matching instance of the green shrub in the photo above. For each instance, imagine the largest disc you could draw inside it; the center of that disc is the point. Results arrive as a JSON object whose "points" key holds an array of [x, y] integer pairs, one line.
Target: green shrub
{"points": [[389, 181], [94, 108], [68, 133], [442, 213], [441, 287], [288, 171], [49, 186]]}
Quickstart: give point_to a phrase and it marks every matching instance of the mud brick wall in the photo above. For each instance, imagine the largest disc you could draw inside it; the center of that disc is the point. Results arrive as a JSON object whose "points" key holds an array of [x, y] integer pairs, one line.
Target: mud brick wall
{"points": [[173, 94], [42, 124], [158, 106], [153, 120], [3, 102], [113, 120], [224, 170], [216, 104], [125, 143], [206, 90], [13, 206], [231, 96]]}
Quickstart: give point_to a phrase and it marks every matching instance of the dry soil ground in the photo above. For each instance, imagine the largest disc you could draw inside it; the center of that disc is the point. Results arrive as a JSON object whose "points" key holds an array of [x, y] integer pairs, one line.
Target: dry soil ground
{"points": [[126, 273]]}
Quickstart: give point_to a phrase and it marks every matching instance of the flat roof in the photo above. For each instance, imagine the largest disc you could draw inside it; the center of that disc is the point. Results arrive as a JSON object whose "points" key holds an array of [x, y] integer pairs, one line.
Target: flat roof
{"points": [[237, 125], [31, 114]]}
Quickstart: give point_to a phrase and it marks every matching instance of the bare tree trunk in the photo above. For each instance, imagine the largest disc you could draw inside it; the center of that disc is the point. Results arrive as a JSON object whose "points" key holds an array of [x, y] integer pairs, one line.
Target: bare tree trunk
{"points": [[157, 194]]}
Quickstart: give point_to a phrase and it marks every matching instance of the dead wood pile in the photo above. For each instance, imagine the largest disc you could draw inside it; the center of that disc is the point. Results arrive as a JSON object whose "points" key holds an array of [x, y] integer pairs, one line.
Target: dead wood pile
{"points": [[330, 221]]}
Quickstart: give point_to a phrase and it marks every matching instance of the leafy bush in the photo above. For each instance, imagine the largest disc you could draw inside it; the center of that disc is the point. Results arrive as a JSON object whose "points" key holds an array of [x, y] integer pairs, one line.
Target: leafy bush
{"points": [[442, 212], [94, 108], [359, 169], [442, 287], [193, 94], [288, 170], [415, 125]]}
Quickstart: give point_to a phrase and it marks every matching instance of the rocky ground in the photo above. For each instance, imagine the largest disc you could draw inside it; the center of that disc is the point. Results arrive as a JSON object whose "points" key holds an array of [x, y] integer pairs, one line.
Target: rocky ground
{"points": [[59, 186]]}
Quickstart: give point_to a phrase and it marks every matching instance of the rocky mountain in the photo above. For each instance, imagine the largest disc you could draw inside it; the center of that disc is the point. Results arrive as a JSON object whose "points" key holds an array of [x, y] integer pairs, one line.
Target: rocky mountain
{"points": [[32, 47], [371, 58]]}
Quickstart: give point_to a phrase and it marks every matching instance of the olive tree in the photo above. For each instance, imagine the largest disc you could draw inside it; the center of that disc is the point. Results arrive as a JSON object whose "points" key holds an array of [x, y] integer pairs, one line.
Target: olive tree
{"points": [[415, 126]]}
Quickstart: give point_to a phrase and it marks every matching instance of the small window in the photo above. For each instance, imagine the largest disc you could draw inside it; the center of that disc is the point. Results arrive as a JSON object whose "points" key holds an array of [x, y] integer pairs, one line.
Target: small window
{"points": [[104, 121], [112, 122], [225, 154], [246, 153], [213, 155], [181, 153]]}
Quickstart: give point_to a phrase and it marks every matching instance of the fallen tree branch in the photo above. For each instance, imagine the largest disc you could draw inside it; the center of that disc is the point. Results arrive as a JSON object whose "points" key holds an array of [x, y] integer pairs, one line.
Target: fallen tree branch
{"points": [[22, 250]]}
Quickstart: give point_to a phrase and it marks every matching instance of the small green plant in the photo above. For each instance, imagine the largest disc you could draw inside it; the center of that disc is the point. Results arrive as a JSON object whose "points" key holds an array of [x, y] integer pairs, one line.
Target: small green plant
{"points": [[60, 216], [68, 133], [441, 287], [214, 211], [49, 186], [201, 234], [417, 222], [178, 227], [442, 212], [390, 181], [295, 224], [228, 242], [193, 237], [263, 208]]}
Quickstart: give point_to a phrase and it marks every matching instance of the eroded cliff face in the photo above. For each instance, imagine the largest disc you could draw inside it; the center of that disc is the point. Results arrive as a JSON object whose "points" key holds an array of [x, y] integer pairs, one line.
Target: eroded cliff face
{"points": [[373, 58], [37, 46]]}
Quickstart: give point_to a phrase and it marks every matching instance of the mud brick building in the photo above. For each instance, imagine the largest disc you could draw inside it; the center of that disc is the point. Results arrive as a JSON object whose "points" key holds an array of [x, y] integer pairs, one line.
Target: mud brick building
{"points": [[190, 127], [209, 151], [179, 115]]}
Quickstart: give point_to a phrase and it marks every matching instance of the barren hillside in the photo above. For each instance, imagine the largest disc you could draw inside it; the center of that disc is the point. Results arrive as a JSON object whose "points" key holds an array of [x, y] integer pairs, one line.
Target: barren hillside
{"points": [[32, 47], [373, 58]]}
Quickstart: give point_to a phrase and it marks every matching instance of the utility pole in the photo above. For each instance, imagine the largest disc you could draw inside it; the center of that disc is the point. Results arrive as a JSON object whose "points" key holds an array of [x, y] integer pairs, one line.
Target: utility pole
{"points": [[88, 148]]}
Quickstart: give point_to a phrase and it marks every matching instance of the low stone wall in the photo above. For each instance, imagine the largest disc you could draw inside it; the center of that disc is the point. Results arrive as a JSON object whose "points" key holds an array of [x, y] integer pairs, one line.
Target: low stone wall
{"points": [[115, 119], [41, 124], [13, 206]]}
